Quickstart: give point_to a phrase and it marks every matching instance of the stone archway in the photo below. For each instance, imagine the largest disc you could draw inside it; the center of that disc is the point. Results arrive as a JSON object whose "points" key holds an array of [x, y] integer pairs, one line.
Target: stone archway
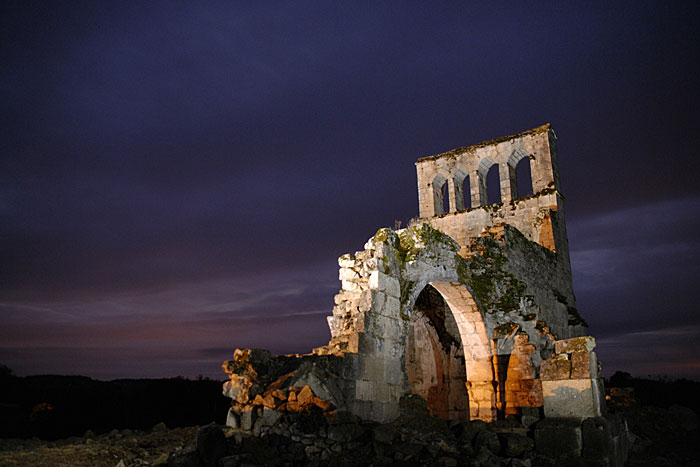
{"points": [[446, 333], [435, 365]]}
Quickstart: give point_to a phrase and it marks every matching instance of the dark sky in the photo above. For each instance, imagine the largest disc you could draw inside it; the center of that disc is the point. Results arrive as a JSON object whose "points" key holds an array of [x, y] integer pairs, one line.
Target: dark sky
{"points": [[178, 179]]}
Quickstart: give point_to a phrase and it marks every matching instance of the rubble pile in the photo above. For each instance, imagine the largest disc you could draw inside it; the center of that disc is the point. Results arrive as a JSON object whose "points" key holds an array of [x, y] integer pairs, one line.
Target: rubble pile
{"points": [[263, 388]]}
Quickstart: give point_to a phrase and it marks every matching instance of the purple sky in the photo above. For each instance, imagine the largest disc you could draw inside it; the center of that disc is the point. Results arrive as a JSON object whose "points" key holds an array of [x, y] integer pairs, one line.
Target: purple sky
{"points": [[178, 180]]}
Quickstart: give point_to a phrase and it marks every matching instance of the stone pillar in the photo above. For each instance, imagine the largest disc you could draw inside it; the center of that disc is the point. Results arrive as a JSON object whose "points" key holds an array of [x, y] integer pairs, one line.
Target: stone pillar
{"points": [[571, 384], [475, 188], [451, 193], [504, 180], [457, 190]]}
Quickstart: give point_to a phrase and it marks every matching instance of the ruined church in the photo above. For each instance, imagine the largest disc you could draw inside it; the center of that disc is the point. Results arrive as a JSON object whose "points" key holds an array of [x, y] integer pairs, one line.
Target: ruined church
{"points": [[471, 307]]}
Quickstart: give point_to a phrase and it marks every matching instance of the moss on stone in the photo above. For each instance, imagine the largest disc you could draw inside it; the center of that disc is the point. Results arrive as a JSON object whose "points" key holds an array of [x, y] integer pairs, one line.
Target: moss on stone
{"points": [[382, 235], [412, 240], [406, 288], [494, 288], [387, 268]]}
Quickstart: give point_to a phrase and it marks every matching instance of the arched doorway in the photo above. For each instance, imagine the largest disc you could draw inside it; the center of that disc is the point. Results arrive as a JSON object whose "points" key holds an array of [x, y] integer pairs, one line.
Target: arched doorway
{"points": [[435, 357], [448, 354]]}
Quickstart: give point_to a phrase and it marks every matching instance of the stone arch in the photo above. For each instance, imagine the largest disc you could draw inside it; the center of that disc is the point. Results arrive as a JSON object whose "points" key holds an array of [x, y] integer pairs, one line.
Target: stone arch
{"points": [[470, 332], [518, 163]]}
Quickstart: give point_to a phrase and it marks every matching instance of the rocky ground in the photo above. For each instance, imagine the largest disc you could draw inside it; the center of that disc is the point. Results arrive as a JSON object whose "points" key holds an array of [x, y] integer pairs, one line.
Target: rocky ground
{"points": [[663, 437], [128, 447]]}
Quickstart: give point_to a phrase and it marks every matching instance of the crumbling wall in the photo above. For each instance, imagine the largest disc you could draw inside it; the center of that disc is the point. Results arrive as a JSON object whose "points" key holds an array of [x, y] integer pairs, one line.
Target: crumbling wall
{"points": [[507, 286]]}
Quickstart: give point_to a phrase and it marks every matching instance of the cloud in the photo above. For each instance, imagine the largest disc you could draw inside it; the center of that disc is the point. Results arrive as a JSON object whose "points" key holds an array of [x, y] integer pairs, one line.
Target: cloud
{"points": [[634, 270]]}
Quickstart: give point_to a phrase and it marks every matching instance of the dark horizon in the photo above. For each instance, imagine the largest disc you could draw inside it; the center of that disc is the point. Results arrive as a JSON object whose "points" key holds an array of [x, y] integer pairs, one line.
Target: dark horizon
{"points": [[177, 181]]}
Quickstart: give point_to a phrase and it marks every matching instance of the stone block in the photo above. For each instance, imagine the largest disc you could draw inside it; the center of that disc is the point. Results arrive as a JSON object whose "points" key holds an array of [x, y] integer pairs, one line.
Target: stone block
{"points": [[393, 371], [372, 368], [348, 274], [211, 444], [555, 368], [558, 438], [514, 444], [305, 396], [248, 416], [576, 344], [233, 419], [346, 261], [238, 388], [380, 281], [574, 398], [597, 438], [392, 307], [582, 365], [364, 390]]}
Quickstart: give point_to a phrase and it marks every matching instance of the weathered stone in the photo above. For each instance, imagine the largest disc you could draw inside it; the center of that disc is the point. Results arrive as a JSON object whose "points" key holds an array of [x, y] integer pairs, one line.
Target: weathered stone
{"points": [[515, 445], [279, 394], [558, 438], [487, 439], [211, 444], [597, 438], [247, 418], [269, 401], [557, 367], [345, 433], [233, 419], [186, 457], [581, 364], [576, 344], [258, 400], [385, 433], [484, 457], [238, 388], [573, 398], [305, 396], [322, 404]]}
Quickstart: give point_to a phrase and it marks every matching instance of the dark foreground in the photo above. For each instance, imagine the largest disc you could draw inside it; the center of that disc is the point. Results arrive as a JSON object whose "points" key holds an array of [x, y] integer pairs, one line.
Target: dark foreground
{"points": [[82, 422], [662, 437]]}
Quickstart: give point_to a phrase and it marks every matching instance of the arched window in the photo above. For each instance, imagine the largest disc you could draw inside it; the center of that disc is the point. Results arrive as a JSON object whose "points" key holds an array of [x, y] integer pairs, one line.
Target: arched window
{"points": [[523, 177], [520, 174], [446, 197], [489, 182], [467, 190], [441, 198], [493, 185], [462, 192]]}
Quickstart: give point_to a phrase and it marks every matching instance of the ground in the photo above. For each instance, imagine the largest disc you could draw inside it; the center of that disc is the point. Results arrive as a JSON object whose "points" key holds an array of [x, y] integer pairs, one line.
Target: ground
{"points": [[131, 447], [665, 437]]}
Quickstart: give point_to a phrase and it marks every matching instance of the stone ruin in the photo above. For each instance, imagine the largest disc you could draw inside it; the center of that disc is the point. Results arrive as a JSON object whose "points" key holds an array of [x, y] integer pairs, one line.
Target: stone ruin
{"points": [[471, 307]]}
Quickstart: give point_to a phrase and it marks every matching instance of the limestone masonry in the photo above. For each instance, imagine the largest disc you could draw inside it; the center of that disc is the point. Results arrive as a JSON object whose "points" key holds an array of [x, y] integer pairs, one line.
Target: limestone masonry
{"points": [[471, 307]]}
